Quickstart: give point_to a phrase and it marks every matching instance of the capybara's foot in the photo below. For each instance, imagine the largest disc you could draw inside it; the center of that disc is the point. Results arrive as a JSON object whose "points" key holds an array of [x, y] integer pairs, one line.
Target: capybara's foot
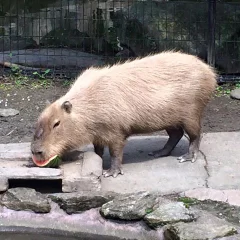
{"points": [[113, 172], [187, 157]]}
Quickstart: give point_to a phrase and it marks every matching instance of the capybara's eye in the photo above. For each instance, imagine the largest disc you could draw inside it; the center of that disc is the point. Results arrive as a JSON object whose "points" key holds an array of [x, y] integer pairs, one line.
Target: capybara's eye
{"points": [[56, 124]]}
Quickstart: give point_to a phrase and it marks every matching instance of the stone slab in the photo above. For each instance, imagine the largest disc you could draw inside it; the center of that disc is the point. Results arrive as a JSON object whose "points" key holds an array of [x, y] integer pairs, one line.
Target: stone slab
{"points": [[13, 151], [169, 213], [235, 237], [230, 196], [26, 199], [207, 226], [206, 194], [220, 169], [73, 181], [80, 172], [8, 112], [92, 165], [223, 156], [235, 94], [80, 201], [233, 196], [80, 184], [144, 173], [31, 173], [3, 184]]}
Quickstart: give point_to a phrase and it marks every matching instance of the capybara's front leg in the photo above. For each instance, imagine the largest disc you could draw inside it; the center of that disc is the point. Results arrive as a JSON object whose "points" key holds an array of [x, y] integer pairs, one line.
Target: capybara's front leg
{"points": [[116, 153], [99, 150]]}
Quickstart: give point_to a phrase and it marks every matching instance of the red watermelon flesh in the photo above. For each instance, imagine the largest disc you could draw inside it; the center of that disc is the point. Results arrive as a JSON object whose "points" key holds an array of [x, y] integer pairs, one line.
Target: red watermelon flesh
{"points": [[51, 162]]}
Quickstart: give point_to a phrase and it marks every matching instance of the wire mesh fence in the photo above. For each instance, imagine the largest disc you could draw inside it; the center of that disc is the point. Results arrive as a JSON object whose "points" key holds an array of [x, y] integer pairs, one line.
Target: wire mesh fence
{"points": [[59, 38]]}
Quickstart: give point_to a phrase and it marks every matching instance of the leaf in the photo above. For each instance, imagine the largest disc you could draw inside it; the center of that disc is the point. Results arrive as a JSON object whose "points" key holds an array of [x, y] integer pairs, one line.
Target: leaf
{"points": [[148, 210]]}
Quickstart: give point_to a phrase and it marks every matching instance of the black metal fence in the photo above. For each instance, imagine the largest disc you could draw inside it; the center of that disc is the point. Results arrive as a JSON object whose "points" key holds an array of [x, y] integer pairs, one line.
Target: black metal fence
{"points": [[59, 38]]}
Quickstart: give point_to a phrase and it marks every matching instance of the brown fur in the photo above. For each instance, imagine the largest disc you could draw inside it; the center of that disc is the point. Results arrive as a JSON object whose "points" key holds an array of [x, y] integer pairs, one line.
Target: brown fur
{"points": [[164, 91]]}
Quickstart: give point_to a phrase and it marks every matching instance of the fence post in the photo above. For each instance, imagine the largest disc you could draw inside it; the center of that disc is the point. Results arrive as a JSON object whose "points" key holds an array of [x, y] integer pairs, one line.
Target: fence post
{"points": [[211, 31]]}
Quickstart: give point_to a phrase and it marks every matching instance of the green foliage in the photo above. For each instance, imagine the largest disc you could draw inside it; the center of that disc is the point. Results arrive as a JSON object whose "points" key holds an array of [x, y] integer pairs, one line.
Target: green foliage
{"points": [[45, 83], [67, 83], [225, 90], [148, 210], [42, 75], [187, 201], [21, 80]]}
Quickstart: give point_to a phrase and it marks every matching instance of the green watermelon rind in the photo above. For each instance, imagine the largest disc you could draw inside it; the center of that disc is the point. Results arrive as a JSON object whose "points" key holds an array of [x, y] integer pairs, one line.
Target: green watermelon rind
{"points": [[54, 161]]}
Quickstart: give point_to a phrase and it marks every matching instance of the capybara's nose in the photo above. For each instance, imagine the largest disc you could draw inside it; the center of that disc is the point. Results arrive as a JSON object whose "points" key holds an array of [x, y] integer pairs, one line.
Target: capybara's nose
{"points": [[35, 151]]}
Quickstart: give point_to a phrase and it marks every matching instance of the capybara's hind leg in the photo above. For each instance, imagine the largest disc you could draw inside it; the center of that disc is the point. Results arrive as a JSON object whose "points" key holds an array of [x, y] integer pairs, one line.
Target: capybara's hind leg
{"points": [[175, 134], [99, 150], [116, 153], [193, 129]]}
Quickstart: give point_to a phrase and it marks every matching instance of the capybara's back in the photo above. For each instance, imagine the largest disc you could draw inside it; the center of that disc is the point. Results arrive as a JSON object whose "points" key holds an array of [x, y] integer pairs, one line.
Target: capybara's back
{"points": [[164, 91]]}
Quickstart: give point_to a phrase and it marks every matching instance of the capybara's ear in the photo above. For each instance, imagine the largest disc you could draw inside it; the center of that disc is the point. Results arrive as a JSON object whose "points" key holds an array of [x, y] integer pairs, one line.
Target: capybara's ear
{"points": [[67, 106]]}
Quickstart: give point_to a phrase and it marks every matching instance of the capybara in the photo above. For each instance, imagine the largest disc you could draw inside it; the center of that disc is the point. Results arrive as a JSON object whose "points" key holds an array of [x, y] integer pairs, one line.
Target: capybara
{"points": [[104, 106]]}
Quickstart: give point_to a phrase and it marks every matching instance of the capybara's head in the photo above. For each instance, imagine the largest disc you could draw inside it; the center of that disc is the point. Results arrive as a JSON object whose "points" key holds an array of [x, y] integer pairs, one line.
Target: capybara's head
{"points": [[52, 134]]}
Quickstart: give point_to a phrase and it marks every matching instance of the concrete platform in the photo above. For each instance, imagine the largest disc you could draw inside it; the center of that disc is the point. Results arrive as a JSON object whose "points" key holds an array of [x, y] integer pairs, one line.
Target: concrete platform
{"points": [[81, 171], [165, 175], [217, 166]]}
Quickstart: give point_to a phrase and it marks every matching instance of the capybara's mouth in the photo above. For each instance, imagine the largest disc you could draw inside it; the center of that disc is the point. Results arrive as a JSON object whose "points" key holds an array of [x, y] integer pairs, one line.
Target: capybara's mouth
{"points": [[37, 161], [54, 161]]}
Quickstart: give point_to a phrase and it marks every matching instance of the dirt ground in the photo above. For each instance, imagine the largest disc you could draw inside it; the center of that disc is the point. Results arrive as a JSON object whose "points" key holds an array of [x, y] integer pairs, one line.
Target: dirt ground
{"points": [[222, 113]]}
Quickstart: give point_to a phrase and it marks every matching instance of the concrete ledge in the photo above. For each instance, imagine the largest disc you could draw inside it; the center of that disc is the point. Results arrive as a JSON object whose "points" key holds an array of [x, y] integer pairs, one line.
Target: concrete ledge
{"points": [[13, 151], [31, 173], [88, 225], [80, 184], [3, 184], [79, 171], [230, 196]]}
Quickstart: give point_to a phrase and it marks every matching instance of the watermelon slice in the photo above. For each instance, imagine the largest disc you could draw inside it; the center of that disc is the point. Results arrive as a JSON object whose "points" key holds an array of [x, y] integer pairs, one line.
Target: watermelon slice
{"points": [[52, 162]]}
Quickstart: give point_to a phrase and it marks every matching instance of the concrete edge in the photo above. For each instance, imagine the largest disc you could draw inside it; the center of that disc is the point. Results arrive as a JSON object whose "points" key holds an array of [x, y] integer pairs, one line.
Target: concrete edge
{"points": [[88, 224]]}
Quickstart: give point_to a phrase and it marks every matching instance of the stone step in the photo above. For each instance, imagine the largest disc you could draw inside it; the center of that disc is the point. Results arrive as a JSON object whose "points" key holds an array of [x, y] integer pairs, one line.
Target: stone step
{"points": [[15, 151], [80, 171], [31, 173]]}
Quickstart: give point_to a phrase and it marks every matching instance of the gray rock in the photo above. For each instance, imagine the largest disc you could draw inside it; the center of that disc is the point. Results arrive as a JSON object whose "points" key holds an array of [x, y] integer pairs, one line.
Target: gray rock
{"points": [[207, 226], [8, 112], [72, 38], [3, 184], [130, 206], [16, 43], [26, 199], [69, 58], [235, 237], [172, 212], [80, 201], [235, 94]]}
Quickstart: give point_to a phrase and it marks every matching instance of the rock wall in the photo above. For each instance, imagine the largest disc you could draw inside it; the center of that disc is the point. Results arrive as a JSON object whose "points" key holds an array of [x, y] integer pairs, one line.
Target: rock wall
{"points": [[140, 215]]}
